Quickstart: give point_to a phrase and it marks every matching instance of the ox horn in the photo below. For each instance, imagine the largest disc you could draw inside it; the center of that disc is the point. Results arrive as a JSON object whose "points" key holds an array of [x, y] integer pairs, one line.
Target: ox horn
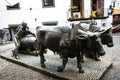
{"points": [[116, 27], [105, 30], [89, 33], [102, 31], [98, 33]]}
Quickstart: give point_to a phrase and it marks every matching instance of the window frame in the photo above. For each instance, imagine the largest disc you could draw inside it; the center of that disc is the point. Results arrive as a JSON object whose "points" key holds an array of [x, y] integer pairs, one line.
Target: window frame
{"points": [[44, 5], [13, 7]]}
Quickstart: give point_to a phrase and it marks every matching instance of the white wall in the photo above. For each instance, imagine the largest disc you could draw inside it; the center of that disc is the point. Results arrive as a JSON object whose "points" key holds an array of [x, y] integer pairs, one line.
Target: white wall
{"points": [[106, 6], [109, 19], [57, 13], [87, 8]]}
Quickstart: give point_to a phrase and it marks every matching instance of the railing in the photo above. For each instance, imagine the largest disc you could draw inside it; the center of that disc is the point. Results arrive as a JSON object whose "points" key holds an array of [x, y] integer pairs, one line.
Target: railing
{"points": [[88, 14]]}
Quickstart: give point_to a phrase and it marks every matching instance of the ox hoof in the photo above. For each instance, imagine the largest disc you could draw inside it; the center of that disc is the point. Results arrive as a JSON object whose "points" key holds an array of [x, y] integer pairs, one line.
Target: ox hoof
{"points": [[43, 66], [60, 69], [81, 71], [82, 61], [17, 57], [97, 59]]}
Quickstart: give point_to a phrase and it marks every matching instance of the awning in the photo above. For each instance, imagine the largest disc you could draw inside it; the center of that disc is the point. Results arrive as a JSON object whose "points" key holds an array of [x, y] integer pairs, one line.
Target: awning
{"points": [[116, 11]]}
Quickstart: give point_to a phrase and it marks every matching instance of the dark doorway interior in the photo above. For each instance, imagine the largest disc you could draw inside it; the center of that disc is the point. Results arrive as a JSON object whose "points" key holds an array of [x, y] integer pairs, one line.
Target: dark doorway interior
{"points": [[116, 21]]}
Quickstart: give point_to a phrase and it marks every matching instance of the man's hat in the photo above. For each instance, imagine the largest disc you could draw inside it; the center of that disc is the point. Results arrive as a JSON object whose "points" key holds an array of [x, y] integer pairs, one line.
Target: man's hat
{"points": [[24, 24]]}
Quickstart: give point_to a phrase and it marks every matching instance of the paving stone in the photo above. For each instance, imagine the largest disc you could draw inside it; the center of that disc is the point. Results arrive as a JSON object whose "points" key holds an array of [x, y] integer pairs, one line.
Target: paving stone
{"points": [[11, 71]]}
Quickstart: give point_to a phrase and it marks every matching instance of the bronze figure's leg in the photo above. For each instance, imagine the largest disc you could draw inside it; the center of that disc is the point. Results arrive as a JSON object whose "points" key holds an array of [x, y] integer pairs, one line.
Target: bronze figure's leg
{"points": [[42, 59], [79, 65], [64, 62], [15, 53], [16, 50]]}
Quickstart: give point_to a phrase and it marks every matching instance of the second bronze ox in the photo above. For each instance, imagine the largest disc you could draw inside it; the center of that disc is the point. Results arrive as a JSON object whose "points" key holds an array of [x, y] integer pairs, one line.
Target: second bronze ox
{"points": [[72, 42]]}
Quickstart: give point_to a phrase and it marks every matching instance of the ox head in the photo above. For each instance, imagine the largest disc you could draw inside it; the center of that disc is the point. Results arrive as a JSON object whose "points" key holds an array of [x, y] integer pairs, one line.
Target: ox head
{"points": [[93, 41], [106, 38]]}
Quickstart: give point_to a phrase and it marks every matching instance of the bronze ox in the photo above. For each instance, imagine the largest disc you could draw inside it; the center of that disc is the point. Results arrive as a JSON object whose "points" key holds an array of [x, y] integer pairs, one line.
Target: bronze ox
{"points": [[106, 39], [69, 43], [89, 48]]}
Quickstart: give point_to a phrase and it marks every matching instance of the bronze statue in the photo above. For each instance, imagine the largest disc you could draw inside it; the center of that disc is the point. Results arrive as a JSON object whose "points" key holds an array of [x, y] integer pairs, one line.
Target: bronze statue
{"points": [[68, 43], [24, 40]]}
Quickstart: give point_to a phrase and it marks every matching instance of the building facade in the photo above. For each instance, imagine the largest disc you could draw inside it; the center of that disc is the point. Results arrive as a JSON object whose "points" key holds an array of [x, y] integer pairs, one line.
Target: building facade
{"points": [[39, 12]]}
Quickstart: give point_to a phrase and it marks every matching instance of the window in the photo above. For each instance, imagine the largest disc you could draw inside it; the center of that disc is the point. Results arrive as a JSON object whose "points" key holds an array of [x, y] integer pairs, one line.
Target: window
{"points": [[77, 4], [48, 3], [14, 7], [77, 13], [50, 23], [98, 8]]}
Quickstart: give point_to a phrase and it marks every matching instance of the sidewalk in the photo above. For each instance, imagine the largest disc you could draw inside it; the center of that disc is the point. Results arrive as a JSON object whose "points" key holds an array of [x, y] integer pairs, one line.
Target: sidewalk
{"points": [[116, 34], [8, 46]]}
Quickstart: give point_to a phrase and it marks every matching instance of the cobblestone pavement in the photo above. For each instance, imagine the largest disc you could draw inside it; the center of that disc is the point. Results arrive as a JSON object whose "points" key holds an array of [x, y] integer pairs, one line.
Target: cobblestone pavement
{"points": [[116, 34], [114, 56], [10, 71]]}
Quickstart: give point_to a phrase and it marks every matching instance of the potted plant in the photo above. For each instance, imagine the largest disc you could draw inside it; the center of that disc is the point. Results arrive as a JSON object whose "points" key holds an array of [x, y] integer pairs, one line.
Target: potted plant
{"points": [[93, 14], [72, 9]]}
